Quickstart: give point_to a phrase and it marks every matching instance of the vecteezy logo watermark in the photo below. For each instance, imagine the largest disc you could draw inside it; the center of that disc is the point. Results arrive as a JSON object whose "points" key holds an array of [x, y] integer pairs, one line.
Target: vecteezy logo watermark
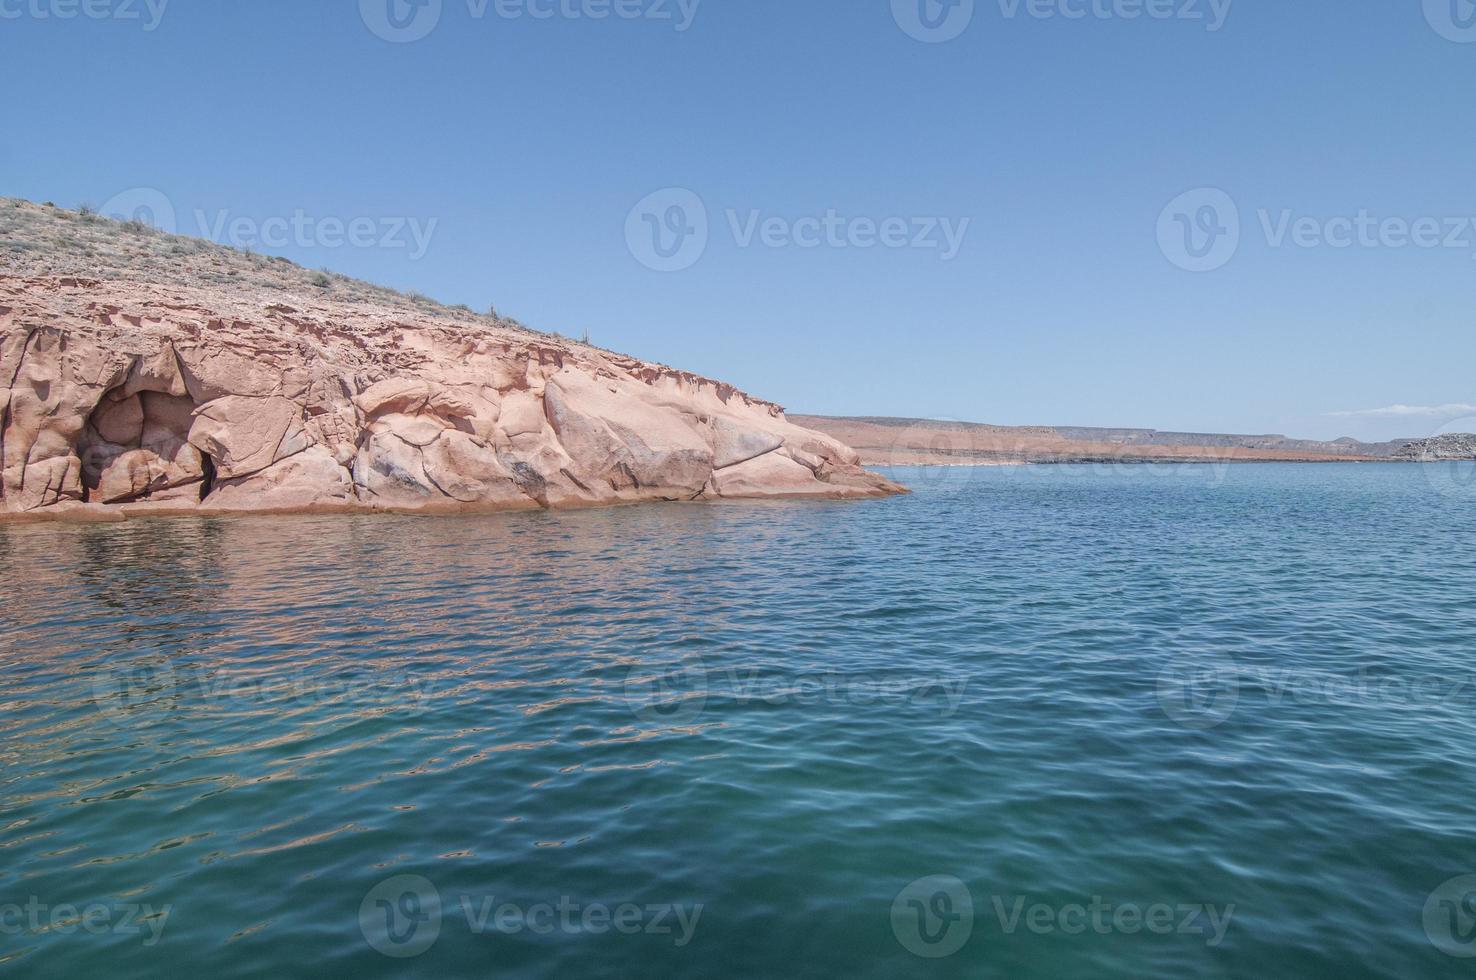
{"points": [[668, 231], [150, 682], [933, 21], [144, 205], [678, 695], [149, 13], [942, 454], [1454, 20], [673, 694], [679, 13], [1365, 230], [1213, 13], [152, 207], [1124, 461], [933, 917], [402, 21], [96, 919], [833, 230], [1200, 690], [1450, 917], [1104, 918], [1200, 230], [402, 917], [306, 231], [1447, 458], [133, 684]]}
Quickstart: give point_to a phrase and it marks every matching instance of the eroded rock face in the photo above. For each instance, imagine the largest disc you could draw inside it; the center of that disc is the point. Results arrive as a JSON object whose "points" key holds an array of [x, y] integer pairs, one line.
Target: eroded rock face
{"points": [[134, 397], [1451, 445]]}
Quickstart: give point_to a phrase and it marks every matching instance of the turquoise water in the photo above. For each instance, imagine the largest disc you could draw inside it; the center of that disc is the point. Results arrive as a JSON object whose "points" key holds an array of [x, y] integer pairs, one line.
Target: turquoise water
{"points": [[1055, 721]]}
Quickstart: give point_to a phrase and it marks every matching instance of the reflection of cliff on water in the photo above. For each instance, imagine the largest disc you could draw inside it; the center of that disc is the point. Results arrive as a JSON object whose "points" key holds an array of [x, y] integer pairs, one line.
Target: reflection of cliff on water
{"points": [[148, 563], [220, 620]]}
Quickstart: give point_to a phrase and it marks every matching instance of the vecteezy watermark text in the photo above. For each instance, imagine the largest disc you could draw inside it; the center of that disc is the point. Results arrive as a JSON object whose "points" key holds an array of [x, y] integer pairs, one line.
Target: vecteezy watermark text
{"points": [[936, 21], [679, 13], [1102, 917], [833, 230], [1211, 13], [934, 917], [1201, 230], [679, 694], [128, 688], [1202, 689], [94, 918], [669, 230], [306, 231], [154, 208], [149, 13], [403, 916], [403, 21]]}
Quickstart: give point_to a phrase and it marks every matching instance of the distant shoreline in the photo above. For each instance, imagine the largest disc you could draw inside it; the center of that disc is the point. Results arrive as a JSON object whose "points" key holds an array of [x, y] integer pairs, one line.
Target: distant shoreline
{"points": [[910, 442], [1151, 462]]}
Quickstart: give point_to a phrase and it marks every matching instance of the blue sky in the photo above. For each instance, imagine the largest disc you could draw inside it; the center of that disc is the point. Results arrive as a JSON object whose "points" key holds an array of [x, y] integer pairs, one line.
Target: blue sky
{"points": [[1030, 185]]}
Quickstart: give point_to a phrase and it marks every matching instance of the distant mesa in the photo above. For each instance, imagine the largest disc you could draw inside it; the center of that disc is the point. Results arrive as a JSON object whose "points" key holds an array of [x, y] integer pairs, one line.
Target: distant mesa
{"points": [[904, 442]]}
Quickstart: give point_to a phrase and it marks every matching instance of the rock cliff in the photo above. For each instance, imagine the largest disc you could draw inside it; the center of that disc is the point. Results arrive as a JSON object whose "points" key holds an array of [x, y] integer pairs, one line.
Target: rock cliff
{"points": [[1450, 446], [120, 397]]}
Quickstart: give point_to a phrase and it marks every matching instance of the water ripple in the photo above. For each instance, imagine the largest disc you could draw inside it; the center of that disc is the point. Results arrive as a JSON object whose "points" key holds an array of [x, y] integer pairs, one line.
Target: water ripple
{"points": [[1153, 689]]}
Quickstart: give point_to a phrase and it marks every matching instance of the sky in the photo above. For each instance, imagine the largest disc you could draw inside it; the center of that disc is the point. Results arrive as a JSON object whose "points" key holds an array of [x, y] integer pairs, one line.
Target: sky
{"points": [[1202, 215]]}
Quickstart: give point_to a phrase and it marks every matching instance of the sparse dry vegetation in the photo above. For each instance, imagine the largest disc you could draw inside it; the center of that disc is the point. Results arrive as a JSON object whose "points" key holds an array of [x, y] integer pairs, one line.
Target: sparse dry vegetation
{"points": [[44, 240]]}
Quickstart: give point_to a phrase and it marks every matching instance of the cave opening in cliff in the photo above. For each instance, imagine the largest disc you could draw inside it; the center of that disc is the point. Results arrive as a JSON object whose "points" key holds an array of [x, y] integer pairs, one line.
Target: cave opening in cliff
{"points": [[135, 447], [207, 482]]}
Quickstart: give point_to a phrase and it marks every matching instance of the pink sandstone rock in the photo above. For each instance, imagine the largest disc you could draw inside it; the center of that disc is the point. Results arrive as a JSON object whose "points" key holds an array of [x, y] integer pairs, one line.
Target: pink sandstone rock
{"points": [[119, 398]]}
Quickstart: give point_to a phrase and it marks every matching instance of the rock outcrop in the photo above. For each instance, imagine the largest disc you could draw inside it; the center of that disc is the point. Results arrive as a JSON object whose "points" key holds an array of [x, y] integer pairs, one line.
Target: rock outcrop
{"points": [[120, 398], [1450, 446]]}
